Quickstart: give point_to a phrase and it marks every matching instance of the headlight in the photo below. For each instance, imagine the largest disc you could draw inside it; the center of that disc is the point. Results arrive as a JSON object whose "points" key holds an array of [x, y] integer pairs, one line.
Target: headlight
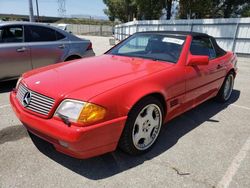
{"points": [[18, 82], [80, 112]]}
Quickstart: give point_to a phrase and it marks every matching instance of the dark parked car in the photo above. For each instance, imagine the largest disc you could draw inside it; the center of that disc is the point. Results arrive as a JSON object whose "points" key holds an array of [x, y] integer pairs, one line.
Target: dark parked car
{"points": [[25, 46]]}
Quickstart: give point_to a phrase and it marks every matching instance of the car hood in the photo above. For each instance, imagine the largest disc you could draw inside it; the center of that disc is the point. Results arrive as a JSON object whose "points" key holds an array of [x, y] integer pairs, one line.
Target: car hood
{"points": [[90, 76]]}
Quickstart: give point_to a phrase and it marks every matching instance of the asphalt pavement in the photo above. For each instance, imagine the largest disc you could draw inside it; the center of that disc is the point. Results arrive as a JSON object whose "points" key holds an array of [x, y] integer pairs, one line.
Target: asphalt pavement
{"points": [[205, 147]]}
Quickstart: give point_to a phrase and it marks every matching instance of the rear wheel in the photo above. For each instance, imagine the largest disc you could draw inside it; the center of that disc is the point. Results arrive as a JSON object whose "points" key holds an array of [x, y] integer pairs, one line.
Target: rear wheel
{"points": [[142, 127], [225, 92]]}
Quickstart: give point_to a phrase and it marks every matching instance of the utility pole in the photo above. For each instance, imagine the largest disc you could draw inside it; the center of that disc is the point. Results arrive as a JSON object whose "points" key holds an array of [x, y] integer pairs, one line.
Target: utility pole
{"points": [[37, 10], [61, 8], [31, 11]]}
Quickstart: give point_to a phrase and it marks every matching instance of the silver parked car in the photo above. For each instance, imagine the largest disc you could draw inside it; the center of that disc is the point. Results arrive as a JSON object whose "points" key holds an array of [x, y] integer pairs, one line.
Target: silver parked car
{"points": [[25, 46]]}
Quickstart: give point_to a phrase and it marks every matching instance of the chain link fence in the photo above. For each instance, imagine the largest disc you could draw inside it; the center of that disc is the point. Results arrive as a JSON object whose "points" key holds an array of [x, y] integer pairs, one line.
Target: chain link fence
{"points": [[95, 30]]}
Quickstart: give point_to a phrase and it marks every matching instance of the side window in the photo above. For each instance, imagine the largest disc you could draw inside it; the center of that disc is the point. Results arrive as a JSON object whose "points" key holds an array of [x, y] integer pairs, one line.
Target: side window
{"points": [[219, 51], [202, 46], [59, 36], [40, 34], [11, 34]]}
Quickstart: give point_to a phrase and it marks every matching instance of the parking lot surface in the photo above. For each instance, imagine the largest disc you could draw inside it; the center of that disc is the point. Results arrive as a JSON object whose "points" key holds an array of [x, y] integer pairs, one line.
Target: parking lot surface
{"points": [[205, 147]]}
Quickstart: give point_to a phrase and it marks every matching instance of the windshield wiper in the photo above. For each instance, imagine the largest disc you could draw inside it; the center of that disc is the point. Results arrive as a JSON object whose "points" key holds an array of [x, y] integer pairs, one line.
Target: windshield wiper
{"points": [[144, 57], [154, 58]]}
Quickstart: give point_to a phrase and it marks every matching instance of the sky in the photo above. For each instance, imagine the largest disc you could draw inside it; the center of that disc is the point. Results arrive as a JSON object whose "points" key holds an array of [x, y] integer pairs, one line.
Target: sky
{"points": [[50, 7]]}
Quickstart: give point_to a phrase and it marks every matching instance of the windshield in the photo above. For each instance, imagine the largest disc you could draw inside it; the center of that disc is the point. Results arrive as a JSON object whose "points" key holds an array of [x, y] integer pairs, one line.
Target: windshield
{"points": [[151, 46]]}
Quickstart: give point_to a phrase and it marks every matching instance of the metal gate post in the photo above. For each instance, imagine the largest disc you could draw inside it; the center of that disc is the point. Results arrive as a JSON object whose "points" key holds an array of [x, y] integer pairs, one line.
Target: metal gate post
{"points": [[235, 36]]}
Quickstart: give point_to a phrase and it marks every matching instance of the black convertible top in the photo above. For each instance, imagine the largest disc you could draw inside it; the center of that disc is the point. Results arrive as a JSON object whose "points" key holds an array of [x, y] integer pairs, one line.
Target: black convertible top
{"points": [[218, 49], [183, 33]]}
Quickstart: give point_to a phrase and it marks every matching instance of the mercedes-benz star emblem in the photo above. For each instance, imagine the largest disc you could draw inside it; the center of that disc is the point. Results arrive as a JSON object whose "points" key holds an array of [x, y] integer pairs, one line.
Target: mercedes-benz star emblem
{"points": [[26, 99]]}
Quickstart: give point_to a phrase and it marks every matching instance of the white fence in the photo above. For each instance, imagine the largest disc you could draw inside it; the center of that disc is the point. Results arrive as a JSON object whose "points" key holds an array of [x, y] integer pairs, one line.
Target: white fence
{"points": [[231, 34]]}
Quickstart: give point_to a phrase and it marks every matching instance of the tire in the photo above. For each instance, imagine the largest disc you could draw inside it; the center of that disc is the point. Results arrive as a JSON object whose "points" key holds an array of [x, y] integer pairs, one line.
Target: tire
{"points": [[225, 91], [142, 128], [72, 58]]}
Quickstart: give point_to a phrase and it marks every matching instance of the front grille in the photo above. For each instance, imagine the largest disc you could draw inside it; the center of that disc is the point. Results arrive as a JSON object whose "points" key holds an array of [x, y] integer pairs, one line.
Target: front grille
{"points": [[37, 103]]}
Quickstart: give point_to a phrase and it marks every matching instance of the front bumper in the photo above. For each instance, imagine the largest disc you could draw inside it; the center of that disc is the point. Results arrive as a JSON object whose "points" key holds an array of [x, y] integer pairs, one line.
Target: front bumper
{"points": [[79, 142]]}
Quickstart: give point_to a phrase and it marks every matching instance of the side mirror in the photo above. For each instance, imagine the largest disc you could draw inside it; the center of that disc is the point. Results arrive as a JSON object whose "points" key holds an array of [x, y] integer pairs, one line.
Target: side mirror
{"points": [[198, 60]]}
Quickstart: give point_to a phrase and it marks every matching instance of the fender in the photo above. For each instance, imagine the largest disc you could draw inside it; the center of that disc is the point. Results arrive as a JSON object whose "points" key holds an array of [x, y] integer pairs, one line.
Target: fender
{"points": [[120, 102]]}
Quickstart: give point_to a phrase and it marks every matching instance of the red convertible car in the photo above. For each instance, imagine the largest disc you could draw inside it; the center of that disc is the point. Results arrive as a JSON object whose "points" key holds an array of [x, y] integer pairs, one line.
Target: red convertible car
{"points": [[90, 106]]}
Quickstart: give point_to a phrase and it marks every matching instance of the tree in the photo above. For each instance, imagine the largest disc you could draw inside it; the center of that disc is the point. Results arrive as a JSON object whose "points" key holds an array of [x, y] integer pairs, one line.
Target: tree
{"points": [[227, 8], [126, 10], [149, 9], [169, 8], [231, 8], [245, 12], [195, 8], [213, 8]]}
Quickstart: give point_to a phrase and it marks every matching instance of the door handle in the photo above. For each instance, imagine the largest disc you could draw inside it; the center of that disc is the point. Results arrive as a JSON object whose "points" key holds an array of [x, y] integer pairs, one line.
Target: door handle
{"points": [[62, 46], [22, 49], [219, 66]]}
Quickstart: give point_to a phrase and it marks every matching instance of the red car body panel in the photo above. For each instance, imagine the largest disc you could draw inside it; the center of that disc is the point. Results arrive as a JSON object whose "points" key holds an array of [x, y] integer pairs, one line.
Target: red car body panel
{"points": [[116, 83], [96, 75], [83, 142]]}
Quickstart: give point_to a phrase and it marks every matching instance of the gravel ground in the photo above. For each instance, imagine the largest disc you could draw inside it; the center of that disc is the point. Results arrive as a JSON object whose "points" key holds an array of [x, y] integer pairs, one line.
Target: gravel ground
{"points": [[205, 147]]}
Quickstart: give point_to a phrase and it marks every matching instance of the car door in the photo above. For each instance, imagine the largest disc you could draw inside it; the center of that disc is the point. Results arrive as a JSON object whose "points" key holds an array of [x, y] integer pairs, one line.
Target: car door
{"points": [[47, 45], [202, 81], [14, 52]]}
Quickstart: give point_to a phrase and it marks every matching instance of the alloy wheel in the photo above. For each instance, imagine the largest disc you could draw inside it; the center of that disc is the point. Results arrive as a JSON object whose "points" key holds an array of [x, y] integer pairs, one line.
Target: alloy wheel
{"points": [[147, 127]]}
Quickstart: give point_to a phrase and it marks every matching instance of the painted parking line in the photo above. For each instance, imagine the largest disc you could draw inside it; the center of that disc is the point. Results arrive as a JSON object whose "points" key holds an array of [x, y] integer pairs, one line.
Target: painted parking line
{"points": [[4, 106], [235, 165], [238, 106]]}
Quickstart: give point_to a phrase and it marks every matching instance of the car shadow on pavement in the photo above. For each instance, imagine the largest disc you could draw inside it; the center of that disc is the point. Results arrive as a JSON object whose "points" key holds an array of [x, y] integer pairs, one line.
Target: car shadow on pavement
{"points": [[12, 133], [116, 162], [7, 86]]}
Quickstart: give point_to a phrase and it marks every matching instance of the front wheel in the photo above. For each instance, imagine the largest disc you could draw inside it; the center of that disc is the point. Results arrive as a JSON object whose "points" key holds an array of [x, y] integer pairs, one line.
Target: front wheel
{"points": [[225, 92], [142, 127]]}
